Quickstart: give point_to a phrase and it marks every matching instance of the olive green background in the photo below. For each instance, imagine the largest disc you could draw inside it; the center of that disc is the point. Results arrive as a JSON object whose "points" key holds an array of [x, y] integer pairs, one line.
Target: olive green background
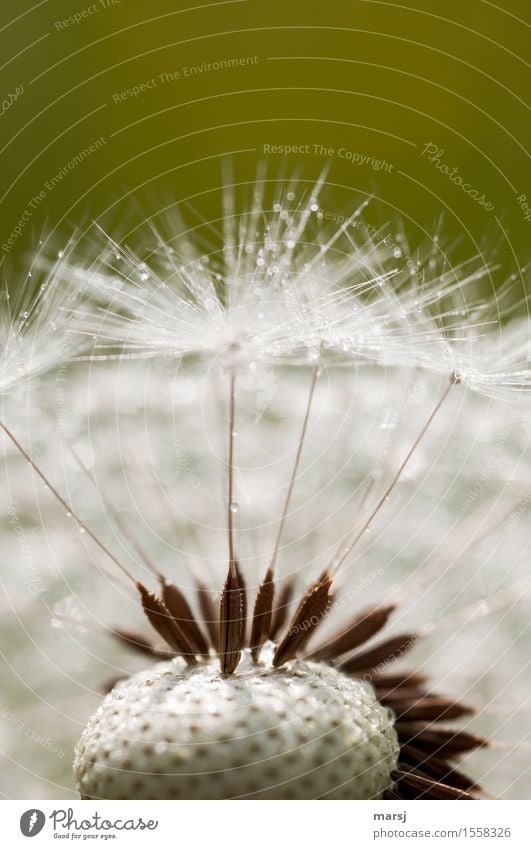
{"points": [[380, 79]]}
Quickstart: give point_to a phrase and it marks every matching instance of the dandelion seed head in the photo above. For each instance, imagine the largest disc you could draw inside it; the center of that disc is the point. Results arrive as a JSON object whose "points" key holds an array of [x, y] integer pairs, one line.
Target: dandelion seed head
{"points": [[35, 330], [283, 288]]}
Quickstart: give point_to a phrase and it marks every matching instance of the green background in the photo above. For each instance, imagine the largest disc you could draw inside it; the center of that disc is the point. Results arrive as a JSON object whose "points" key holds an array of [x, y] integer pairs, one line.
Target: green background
{"points": [[380, 79]]}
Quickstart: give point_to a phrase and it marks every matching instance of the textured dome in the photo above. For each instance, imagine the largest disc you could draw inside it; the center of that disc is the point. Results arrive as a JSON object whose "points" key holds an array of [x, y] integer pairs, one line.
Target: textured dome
{"points": [[175, 732]]}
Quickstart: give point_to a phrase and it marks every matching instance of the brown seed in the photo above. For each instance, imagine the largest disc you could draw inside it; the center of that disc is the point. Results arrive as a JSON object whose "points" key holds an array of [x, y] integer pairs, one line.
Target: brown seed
{"points": [[361, 629], [308, 616], [231, 623], [177, 604], [390, 681], [432, 709], [382, 654], [138, 642], [262, 614], [164, 623], [443, 742], [436, 768], [243, 588], [425, 787]]}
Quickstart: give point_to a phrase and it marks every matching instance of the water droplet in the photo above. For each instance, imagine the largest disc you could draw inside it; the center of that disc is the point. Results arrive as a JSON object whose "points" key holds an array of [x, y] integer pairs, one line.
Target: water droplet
{"points": [[234, 507]]}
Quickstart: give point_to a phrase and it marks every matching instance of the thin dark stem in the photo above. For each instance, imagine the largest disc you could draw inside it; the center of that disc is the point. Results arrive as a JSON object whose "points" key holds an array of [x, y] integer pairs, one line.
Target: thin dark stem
{"points": [[295, 469], [63, 502], [381, 501], [230, 504]]}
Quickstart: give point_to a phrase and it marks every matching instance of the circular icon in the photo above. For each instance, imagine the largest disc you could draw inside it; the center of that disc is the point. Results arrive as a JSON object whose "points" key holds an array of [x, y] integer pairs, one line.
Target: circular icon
{"points": [[32, 822]]}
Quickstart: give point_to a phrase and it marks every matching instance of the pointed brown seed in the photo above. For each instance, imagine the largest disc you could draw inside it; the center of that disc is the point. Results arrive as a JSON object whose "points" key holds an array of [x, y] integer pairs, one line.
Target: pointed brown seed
{"points": [[281, 608], [361, 629], [309, 615], [402, 694], [164, 624], [437, 768], [231, 623], [425, 787], [262, 614], [389, 681], [382, 654], [177, 604], [139, 643], [431, 709], [209, 613], [243, 588], [443, 742]]}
